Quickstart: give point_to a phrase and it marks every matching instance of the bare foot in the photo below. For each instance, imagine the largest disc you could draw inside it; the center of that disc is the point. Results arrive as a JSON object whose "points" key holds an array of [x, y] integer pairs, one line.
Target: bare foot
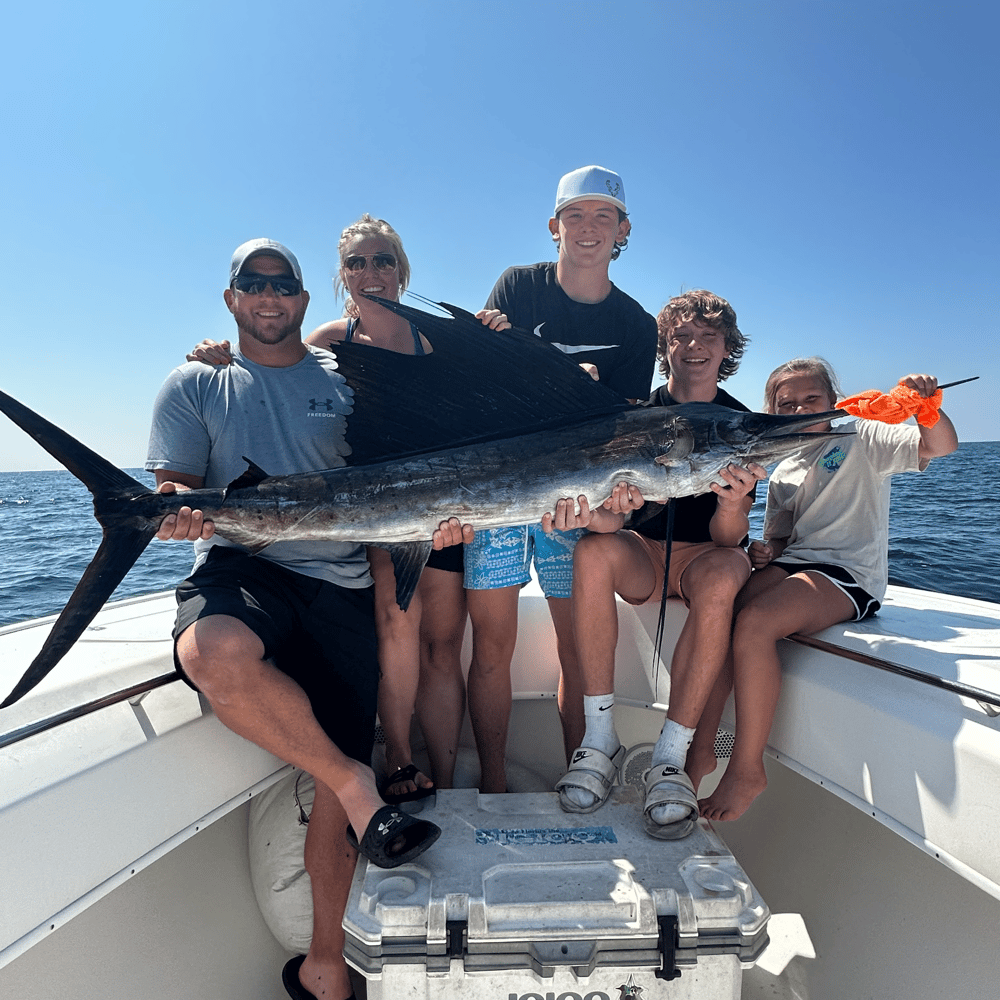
{"points": [[700, 761], [735, 793]]}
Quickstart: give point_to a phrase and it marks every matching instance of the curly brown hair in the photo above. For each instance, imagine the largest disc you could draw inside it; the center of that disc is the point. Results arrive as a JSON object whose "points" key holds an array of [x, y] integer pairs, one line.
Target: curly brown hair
{"points": [[706, 307]]}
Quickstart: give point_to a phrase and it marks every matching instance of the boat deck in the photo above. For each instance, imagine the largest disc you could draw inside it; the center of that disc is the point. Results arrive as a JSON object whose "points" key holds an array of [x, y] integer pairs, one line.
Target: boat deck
{"points": [[124, 860]]}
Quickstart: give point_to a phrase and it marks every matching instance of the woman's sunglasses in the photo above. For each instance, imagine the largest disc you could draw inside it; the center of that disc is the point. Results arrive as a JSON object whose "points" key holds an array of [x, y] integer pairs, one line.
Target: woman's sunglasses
{"points": [[380, 261]]}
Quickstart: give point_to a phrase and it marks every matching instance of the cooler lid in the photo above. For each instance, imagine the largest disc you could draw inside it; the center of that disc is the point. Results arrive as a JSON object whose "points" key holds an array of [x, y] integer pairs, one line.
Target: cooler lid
{"points": [[514, 882]]}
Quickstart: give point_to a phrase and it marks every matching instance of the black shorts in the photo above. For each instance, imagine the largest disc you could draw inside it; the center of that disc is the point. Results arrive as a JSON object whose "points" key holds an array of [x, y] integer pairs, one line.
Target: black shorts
{"points": [[319, 634], [451, 559], [864, 604]]}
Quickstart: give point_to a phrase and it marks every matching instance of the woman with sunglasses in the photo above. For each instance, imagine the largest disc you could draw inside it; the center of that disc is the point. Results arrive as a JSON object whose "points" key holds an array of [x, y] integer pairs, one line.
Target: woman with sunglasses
{"points": [[419, 649]]}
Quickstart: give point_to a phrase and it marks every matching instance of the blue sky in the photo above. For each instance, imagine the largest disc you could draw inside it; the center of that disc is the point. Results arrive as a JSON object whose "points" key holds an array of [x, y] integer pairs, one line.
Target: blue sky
{"points": [[830, 168]]}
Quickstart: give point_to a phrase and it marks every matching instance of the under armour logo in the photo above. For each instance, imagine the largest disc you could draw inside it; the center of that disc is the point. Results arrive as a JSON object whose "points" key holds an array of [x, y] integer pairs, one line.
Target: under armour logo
{"points": [[387, 825], [326, 405], [580, 755], [613, 189]]}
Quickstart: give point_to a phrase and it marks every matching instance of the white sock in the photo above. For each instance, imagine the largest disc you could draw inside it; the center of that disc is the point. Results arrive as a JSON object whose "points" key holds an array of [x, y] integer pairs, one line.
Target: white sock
{"points": [[672, 746], [598, 713], [671, 750]]}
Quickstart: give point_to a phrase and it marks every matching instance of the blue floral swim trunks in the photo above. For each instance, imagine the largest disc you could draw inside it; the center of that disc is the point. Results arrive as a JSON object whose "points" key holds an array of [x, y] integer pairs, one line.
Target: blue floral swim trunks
{"points": [[501, 557]]}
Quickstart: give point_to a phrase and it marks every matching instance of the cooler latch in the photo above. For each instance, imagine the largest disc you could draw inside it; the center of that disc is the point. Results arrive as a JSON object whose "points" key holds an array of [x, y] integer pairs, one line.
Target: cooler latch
{"points": [[668, 947], [456, 931]]}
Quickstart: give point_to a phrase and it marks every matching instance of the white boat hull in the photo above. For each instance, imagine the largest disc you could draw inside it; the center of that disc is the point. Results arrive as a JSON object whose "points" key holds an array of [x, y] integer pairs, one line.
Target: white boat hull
{"points": [[124, 832]]}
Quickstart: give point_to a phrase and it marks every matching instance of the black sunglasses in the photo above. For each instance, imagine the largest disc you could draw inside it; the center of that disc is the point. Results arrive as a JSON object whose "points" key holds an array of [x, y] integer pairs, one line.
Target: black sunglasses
{"points": [[380, 261], [256, 284]]}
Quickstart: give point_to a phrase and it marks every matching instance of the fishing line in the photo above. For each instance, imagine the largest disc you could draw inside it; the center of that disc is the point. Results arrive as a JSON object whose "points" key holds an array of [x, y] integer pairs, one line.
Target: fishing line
{"points": [[660, 621]]}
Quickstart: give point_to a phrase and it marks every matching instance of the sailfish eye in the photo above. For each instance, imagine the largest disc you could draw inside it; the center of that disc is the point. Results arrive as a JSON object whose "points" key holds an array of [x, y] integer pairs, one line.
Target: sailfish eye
{"points": [[680, 446]]}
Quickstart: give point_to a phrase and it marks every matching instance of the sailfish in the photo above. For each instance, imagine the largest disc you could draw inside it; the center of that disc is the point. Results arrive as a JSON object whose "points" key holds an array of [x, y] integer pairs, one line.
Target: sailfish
{"points": [[491, 427]]}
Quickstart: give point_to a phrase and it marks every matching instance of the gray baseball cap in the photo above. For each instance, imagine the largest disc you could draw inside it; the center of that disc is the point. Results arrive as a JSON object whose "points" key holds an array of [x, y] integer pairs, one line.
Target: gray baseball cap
{"points": [[590, 184], [254, 248]]}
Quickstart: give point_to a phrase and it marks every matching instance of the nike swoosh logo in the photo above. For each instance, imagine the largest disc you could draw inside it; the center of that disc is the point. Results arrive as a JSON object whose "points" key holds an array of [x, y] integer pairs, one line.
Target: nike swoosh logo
{"points": [[603, 708], [576, 348]]}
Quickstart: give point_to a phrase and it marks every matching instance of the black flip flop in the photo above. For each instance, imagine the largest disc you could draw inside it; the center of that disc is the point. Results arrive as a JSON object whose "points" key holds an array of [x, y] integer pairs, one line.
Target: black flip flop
{"points": [[389, 828], [408, 773]]}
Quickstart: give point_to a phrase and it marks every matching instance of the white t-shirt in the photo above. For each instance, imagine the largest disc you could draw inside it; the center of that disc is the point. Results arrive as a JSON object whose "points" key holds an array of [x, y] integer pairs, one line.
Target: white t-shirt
{"points": [[831, 501]]}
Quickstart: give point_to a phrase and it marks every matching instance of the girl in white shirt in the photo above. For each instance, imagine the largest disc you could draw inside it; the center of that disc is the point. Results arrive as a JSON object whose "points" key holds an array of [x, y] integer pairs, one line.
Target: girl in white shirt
{"points": [[824, 560]]}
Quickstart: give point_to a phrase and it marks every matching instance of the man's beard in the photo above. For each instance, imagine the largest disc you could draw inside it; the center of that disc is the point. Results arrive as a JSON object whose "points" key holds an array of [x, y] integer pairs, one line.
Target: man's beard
{"points": [[271, 335]]}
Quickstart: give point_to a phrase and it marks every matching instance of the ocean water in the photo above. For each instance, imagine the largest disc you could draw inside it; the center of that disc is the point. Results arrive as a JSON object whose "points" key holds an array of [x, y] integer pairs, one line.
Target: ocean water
{"points": [[48, 535], [943, 535]]}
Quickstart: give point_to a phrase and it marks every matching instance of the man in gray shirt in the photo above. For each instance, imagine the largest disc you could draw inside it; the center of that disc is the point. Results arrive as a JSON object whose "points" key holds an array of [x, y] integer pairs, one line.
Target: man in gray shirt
{"points": [[282, 643]]}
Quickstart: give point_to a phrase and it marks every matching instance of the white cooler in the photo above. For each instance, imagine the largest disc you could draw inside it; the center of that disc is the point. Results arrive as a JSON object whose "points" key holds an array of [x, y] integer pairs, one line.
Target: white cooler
{"points": [[520, 901]]}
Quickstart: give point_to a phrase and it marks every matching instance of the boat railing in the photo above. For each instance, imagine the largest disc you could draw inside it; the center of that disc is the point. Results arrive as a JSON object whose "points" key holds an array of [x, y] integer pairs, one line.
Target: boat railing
{"points": [[988, 699], [85, 708]]}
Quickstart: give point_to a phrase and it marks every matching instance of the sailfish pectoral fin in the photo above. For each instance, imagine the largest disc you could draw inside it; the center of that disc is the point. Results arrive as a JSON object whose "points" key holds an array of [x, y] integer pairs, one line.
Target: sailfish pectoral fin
{"points": [[408, 560], [119, 550]]}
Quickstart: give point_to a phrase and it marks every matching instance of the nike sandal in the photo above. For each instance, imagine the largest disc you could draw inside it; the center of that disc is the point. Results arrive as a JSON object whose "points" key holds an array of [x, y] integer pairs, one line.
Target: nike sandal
{"points": [[666, 785], [594, 772]]}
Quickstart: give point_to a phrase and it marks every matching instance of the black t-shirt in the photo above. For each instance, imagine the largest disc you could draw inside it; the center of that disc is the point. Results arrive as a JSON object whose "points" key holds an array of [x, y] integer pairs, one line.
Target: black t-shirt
{"points": [[692, 515], [617, 335]]}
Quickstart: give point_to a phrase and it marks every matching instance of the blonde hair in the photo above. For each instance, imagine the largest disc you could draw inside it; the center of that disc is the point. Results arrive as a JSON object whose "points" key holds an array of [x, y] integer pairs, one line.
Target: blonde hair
{"points": [[368, 225], [816, 367]]}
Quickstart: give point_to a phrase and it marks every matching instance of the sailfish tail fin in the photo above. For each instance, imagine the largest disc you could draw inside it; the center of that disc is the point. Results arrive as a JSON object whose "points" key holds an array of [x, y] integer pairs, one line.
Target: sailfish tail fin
{"points": [[119, 550], [121, 546]]}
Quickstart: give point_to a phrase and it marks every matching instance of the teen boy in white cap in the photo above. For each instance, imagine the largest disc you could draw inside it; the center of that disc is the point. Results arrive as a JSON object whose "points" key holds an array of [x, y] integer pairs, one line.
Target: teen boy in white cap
{"points": [[572, 304]]}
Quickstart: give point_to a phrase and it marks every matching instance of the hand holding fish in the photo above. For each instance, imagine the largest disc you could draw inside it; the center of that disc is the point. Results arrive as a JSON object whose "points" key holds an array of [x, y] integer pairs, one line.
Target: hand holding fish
{"points": [[624, 499], [740, 481], [494, 319], [609, 516], [733, 501], [208, 352], [567, 517], [452, 532], [186, 525]]}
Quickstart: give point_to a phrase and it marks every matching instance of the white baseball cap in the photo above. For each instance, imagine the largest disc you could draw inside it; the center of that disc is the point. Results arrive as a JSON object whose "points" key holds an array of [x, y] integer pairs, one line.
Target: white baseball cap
{"points": [[590, 184]]}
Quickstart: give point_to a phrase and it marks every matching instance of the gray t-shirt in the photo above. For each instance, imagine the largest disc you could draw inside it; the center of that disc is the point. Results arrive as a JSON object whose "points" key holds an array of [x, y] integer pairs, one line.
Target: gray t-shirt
{"points": [[206, 418]]}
